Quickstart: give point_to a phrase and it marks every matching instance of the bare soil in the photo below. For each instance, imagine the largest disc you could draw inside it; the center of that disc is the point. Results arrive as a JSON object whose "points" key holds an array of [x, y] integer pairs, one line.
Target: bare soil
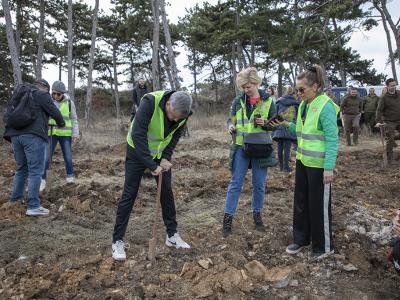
{"points": [[68, 254]]}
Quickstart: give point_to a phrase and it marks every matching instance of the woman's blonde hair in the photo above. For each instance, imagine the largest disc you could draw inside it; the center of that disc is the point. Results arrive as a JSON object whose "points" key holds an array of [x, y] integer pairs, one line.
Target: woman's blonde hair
{"points": [[248, 75], [289, 90]]}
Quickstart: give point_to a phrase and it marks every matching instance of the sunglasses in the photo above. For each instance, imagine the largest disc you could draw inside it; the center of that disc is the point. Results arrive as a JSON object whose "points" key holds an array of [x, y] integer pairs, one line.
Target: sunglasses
{"points": [[300, 90], [57, 94]]}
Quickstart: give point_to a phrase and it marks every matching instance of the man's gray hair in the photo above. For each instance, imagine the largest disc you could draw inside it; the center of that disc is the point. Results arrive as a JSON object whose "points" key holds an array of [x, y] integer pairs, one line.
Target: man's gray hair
{"points": [[181, 103]]}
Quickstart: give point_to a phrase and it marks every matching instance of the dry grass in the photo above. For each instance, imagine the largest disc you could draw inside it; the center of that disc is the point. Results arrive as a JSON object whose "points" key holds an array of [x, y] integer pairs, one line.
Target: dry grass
{"points": [[109, 132]]}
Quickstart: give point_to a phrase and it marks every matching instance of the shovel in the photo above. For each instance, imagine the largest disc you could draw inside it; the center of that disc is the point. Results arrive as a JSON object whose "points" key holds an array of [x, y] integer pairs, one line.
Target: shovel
{"points": [[48, 171], [384, 153], [151, 255]]}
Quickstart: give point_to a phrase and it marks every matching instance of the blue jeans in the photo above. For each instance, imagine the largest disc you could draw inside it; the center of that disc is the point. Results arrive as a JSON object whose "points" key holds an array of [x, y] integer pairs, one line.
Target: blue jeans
{"points": [[65, 143], [28, 152], [284, 153], [239, 169]]}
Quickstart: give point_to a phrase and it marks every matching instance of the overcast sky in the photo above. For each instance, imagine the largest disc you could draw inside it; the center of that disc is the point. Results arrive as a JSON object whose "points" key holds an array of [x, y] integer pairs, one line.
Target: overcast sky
{"points": [[370, 44]]}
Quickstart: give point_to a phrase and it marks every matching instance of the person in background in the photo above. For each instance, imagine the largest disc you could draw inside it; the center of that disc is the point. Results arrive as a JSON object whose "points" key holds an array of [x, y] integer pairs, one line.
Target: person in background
{"points": [[29, 144], [351, 108], [137, 94], [370, 105], [388, 115], [247, 119], [65, 135], [286, 107], [318, 144], [271, 92]]}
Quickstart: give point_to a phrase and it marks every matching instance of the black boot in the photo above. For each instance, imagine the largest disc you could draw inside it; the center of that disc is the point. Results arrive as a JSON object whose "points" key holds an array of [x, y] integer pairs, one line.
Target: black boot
{"points": [[258, 221], [227, 225]]}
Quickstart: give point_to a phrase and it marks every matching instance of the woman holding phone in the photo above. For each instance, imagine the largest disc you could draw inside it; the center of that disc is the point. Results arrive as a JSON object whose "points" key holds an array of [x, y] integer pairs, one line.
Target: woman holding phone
{"points": [[251, 145]]}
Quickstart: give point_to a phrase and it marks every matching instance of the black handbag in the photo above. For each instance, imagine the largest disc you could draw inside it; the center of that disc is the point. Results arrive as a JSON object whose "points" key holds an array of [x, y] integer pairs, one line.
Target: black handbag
{"points": [[253, 150], [257, 150]]}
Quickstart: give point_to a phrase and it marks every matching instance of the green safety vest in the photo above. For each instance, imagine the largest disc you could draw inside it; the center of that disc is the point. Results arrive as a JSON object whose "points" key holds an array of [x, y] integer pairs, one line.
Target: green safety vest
{"points": [[245, 127], [155, 133], [311, 145], [67, 129]]}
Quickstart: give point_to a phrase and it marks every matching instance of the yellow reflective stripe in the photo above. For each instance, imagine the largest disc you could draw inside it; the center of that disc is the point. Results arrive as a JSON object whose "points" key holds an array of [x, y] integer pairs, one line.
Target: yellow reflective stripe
{"points": [[310, 136], [310, 153], [153, 138]]}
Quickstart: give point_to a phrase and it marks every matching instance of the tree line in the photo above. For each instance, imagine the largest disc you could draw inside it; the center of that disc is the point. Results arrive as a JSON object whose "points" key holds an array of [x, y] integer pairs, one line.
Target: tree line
{"points": [[279, 37]]}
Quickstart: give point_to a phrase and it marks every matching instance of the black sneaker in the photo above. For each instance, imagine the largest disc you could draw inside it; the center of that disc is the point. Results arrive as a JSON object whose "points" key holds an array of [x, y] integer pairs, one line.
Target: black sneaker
{"points": [[227, 225], [258, 221], [294, 248]]}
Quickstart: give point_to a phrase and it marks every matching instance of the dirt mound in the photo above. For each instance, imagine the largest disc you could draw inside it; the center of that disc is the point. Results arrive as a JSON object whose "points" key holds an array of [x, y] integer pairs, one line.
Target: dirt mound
{"points": [[68, 254]]}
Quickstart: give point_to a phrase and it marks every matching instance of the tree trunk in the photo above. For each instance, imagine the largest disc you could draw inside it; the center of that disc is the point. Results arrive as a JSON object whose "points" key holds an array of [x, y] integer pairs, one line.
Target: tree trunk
{"points": [[390, 48], [215, 82], [239, 50], [156, 43], [168, 70], [195, 73], [71, 85], [60, 67], [253, 53], [91, 63], [11, 43], [18, 25], [393, 26], [342, 71], [171, 56], [114, 56], [39, 60], [131, 67], [233, 68], [280, 75]]}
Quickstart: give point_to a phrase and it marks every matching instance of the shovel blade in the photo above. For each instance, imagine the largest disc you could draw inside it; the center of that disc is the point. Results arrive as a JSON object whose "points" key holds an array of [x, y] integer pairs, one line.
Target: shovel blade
{"points": [[151, 254]]}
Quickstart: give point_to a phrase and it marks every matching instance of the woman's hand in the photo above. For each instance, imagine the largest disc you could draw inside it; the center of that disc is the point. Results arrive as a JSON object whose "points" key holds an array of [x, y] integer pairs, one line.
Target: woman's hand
{"points": [[232, 129], [328, 176], [277, 123], [259, 121]]}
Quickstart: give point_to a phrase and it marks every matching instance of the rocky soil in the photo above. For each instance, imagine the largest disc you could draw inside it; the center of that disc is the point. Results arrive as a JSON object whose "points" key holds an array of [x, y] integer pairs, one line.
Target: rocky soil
{"points": [[68, 254]]}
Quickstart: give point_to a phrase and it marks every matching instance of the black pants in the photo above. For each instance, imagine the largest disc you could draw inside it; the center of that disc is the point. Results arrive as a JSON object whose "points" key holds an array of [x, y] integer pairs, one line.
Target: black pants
{"points": [[312, 209], [134, 170]]}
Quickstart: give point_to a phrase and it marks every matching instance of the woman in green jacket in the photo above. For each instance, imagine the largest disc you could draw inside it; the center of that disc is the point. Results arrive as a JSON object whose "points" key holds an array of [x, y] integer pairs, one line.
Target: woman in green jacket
{"points": [[318, 143]]}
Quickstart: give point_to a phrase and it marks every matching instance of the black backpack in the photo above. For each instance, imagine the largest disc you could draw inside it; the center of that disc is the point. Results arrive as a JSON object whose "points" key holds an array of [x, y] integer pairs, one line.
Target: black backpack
{"points": [[19, 112]]}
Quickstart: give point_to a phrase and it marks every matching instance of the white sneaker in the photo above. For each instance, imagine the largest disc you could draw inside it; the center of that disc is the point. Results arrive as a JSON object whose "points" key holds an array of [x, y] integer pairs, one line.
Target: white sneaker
{"points": [[42, 185], [40, 211], [176, 241], [118, 250], [70, 179]]}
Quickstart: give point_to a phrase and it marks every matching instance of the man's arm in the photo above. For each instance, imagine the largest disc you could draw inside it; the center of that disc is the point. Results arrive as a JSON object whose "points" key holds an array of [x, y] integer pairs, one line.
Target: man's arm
{"points": [[167, 153], [48, 106], [343, 104], [139, 132], [379, 110]]}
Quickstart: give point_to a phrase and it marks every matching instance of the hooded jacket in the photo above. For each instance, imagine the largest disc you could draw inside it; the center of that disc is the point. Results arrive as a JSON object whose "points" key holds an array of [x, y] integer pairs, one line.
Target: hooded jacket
{"points": [[282, 104]]}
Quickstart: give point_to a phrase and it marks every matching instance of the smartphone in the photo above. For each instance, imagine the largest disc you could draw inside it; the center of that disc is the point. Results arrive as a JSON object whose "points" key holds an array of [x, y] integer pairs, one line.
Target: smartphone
{"points": [[256, 116], [276, 118]]}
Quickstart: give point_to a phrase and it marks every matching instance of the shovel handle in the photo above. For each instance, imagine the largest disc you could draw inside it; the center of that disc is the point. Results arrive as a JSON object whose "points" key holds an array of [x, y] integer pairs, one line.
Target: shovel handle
{"points": [[157, 210]]}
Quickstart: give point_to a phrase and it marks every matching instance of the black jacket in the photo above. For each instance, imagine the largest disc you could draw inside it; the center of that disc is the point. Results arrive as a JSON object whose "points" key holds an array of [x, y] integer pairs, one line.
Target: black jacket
{"points": [[43, 107], [140, 128], [138, 93]]}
